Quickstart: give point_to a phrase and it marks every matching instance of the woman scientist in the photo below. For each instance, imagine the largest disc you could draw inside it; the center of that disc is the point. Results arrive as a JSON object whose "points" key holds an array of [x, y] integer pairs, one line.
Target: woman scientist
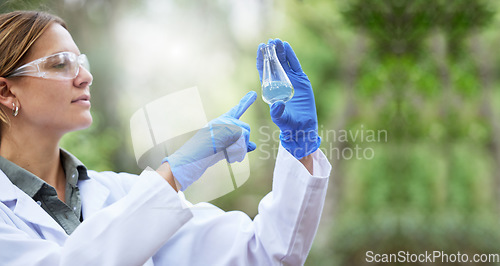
{"points": [[53, 211]]}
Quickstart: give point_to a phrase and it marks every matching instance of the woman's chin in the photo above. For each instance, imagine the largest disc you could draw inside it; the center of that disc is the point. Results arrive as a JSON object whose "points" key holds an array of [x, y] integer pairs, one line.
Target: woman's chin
{"points": [[84, 123]]}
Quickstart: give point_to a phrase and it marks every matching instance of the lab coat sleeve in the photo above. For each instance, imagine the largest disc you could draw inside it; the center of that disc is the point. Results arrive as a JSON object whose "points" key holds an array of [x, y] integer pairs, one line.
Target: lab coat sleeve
{"points": [[281, 233], [127, 232], [289, 216]]}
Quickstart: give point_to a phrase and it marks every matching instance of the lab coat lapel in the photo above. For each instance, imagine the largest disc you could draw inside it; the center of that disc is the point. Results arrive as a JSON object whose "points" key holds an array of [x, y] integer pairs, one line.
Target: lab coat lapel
{"points": [[29, 211], [94, 196], [7, 191]]}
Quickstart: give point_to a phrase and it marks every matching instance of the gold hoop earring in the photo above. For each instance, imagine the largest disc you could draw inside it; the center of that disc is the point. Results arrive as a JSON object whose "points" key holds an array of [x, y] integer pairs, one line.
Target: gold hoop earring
{"points": [[15, 109]]}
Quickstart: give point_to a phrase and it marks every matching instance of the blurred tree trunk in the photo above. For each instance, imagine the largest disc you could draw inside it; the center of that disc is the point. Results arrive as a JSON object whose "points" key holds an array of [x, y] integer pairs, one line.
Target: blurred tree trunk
{"points": [[351, 64], [486, 74]]}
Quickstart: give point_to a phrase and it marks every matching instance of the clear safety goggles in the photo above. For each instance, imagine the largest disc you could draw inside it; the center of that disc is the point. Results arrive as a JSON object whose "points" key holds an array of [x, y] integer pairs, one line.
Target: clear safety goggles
{"points": [[64, 65]]}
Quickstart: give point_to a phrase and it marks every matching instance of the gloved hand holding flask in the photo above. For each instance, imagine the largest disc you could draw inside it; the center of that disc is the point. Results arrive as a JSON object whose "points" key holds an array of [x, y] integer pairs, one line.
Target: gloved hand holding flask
{"points": [[225, 137], [296, 119]]}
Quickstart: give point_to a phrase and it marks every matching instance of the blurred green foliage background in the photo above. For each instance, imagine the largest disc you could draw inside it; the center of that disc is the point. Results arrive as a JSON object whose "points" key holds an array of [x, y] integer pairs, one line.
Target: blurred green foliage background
{"points": [[425, 72]]}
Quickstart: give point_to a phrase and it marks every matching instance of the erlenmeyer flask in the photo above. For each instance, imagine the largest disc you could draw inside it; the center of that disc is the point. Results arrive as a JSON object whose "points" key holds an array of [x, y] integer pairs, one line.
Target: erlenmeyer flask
{"points": [[275, 83]]}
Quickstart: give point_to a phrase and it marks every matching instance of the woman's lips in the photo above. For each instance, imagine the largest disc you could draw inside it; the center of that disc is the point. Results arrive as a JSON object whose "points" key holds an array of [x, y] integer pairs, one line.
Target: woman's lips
{"points": [[82, 100]]}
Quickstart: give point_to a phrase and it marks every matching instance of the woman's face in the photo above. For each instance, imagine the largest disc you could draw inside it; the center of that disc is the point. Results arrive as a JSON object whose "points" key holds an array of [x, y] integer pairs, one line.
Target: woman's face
{"points": [[57, 106]]}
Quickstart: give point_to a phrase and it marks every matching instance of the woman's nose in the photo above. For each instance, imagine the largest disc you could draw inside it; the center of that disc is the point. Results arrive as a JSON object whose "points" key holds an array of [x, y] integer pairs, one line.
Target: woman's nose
{"points": [[84, 78]]}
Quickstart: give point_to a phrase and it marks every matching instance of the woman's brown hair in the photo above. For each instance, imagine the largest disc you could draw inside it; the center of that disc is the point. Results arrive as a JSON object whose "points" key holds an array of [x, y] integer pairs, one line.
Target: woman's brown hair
{"points": [[18, 32]]}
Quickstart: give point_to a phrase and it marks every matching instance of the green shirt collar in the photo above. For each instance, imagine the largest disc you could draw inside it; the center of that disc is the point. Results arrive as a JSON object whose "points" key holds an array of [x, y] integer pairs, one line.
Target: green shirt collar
{"points": [[24, 180], [70, 164], [31, 184], [67, 214]]}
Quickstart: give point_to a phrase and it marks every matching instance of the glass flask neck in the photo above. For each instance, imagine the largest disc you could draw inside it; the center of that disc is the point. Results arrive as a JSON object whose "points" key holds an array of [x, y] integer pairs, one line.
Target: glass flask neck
{"points": [[269, 52]]}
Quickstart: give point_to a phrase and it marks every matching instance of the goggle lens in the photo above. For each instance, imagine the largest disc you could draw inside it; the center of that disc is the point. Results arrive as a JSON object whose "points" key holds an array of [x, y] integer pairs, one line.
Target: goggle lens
{"points": [[65, 65]]}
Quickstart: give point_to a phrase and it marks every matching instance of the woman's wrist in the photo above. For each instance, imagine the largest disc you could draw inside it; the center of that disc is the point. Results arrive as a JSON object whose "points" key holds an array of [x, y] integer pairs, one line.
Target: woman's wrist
{"points": [[165, 171], [307, 161]]}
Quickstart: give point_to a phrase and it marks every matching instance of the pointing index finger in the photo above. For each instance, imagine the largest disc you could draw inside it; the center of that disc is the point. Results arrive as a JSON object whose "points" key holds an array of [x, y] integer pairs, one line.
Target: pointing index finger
{"points": [[245, 102]]}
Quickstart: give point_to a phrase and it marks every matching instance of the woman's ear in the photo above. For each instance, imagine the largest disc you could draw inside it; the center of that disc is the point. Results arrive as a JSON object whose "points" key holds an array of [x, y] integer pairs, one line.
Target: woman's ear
{"points": [[6, 95]]}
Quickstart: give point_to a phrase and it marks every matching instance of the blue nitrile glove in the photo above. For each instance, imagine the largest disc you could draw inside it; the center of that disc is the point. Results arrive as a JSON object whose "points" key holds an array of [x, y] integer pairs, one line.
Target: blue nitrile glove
{"points": [[225, 137], [296, 119]]}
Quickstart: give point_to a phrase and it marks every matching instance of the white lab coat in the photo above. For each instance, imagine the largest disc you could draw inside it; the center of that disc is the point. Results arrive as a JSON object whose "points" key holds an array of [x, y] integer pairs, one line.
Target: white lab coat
{"points": [[130, 220]]}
